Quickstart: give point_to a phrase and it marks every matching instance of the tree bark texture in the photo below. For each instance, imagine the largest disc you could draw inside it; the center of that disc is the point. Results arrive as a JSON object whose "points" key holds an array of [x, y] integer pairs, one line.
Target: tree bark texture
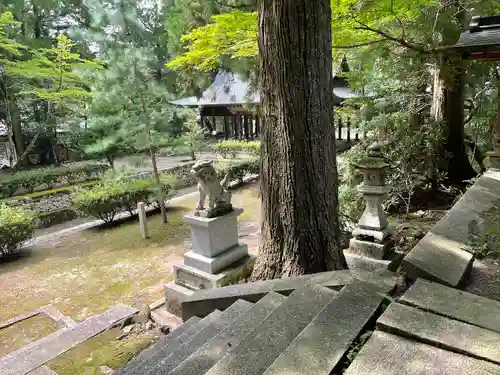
{"points": [[452, 73], [299, 182]]}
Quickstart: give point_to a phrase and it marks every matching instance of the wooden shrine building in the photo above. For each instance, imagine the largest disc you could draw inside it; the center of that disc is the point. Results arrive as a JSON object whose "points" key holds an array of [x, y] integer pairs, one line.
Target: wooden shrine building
{"points": [[481, 42], [229, 108]]}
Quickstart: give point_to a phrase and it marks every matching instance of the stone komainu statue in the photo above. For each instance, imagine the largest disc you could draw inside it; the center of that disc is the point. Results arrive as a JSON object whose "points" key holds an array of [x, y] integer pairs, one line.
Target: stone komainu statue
{"points": [[219, 198]]}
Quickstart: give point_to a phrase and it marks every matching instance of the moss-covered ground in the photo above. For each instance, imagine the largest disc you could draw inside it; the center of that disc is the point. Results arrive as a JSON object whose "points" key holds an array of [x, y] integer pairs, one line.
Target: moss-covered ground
{"points": [[22, 333], [85, 273]]}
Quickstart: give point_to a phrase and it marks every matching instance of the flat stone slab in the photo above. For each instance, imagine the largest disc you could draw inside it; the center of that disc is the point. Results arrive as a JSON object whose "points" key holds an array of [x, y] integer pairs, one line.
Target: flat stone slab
{"points": [[53, 313], [386, 354], [208, 355], [39, 352], [440, 256], [19, 318], [442, 332], [209, 332], [42, 370], [456, 304], [319, 348], [275, 333]]}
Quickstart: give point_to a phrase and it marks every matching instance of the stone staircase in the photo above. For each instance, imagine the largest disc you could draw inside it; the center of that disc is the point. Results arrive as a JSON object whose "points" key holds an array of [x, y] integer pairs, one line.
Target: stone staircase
{"points": [[357, 330], [268, 336]]}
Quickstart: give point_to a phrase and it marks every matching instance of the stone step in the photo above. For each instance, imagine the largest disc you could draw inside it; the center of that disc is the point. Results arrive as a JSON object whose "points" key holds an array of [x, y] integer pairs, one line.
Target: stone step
{"points": [[175, 358], [43, 350], [162, 345], [275, 333], [172, 345], [463, 306], [386, 354], [319, 348], [443, 332], [439, 256], [203, 302], [208, 355]]}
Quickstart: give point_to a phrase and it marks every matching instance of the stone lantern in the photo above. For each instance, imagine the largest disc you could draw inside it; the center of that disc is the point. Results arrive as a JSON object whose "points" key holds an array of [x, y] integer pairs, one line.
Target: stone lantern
{"points": [[371, 237]]}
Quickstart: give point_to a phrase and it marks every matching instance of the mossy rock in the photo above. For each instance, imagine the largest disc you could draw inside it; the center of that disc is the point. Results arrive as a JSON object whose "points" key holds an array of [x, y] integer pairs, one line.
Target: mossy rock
{"points": [[241, 271]]}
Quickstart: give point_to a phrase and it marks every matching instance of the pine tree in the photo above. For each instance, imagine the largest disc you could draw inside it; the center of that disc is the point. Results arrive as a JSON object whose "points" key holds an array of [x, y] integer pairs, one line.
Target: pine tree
{"points": [[130, 96]]}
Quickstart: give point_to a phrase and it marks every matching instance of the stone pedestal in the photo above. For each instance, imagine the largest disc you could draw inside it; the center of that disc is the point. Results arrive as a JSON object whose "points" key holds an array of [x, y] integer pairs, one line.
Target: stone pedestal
{"points": [[216, 258]]}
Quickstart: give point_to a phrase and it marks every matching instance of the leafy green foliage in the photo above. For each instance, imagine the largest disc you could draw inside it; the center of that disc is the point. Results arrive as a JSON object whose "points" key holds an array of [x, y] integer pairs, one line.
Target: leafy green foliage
{"points": [[47, 177], [16, 226], [232, 35], [231, 147], [105, 200]]}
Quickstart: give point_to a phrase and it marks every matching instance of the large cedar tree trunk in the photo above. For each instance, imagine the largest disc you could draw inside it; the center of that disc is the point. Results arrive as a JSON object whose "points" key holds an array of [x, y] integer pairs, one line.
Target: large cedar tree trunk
{"points": [[300, 228]]}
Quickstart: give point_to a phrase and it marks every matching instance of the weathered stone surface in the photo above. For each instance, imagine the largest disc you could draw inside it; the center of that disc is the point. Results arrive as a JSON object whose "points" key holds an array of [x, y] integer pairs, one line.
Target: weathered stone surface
{"points": [[215, 235], [276, 332], [149, 358], [42, 370], [57, 316], [369, 248], [218, 262], [194, 278], [323, 343], [175, 358], [203, 302], [439, 258], [208, 355], [174, 295], [467, 307], [442, 332], [39, 352], [386, 354], [440, 255], [165, 319], [363, 263]]}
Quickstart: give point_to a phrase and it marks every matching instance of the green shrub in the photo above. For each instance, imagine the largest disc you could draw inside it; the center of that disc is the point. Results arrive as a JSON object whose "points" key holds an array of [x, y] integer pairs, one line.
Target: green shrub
{"points": [[16, 226], [231, 147], [106, 199], [238, 169], [47, 177]]}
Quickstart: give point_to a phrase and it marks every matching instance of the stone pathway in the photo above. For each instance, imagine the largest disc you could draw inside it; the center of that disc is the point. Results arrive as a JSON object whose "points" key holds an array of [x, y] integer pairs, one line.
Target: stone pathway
{"points": [[37, 353]]}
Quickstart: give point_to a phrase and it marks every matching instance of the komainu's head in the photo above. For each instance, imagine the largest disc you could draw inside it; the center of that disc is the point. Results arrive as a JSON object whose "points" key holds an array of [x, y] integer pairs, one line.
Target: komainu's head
{"points": [[204, 170]]}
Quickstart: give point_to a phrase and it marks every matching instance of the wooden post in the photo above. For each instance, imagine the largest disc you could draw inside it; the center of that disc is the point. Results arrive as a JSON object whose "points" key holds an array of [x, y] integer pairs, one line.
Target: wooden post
{"points": [[348, 130], [143, 222], [257, 126], [226, 128], [250, 124], [339, 130], [213, 120], [245, 126], [235, 126]]}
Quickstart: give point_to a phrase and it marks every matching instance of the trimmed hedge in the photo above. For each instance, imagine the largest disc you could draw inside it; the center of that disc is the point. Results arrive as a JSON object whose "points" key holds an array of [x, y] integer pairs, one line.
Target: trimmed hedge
{"points": [[106, 199], [47, 177], [231, 147], [16, 226]]}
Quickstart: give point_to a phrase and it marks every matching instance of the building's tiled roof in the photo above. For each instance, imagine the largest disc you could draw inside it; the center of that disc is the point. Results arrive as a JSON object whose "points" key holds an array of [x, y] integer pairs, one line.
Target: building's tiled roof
{"points": [[483, 34], [233, 89], [4, 130]]}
